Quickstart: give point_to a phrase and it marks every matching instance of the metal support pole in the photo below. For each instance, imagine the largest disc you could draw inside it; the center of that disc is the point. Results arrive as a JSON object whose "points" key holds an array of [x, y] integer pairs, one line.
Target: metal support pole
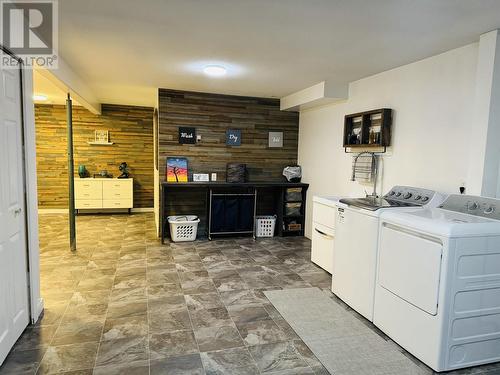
{"points": [[71, 182]]}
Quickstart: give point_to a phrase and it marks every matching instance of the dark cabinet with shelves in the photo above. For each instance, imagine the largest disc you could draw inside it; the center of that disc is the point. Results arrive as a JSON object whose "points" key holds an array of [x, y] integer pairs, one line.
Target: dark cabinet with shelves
{"points": [[292, 215], [368, 129], [230, 208]]}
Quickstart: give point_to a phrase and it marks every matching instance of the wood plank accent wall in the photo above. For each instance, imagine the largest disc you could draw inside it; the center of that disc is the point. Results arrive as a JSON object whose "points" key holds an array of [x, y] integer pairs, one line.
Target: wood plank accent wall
{"points": [[131, 130], [212, 115]]}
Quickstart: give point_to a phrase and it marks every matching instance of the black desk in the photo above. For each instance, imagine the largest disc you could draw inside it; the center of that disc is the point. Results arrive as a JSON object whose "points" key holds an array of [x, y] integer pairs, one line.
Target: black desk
{"points": [[192, 198]]}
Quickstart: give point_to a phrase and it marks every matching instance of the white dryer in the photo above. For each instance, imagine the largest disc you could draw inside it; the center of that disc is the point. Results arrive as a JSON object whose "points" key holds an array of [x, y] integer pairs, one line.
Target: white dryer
{"points": [[356, 237], [438, 282]]}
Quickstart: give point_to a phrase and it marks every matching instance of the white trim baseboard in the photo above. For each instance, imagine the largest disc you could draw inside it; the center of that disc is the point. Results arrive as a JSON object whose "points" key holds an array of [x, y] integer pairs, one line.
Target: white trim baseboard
{"points": [[48, 211], [143, 209], [37, 311]]}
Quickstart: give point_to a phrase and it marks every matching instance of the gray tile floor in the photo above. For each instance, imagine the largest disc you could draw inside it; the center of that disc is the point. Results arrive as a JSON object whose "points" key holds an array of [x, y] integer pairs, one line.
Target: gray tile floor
{"points": [[125, 304]]}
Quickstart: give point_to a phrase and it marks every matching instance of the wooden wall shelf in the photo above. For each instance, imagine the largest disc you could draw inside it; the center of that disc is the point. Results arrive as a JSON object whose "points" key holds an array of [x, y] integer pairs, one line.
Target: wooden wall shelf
{"points": [[93, 143], [368, 129]]}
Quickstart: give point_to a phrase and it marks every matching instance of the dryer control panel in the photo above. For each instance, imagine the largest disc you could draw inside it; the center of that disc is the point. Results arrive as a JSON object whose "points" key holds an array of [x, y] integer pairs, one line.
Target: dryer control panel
{"points": [[408, 194], [473, 205]]}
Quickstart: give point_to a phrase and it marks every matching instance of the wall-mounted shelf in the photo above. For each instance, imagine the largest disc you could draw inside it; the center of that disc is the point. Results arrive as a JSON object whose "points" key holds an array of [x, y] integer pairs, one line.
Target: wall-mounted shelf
{"points": [[100, 143], [369, 129]]}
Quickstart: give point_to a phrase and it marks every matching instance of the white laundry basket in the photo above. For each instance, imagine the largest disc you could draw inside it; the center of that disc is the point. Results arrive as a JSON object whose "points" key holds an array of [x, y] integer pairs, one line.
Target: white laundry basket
{"points": [[265, 226], [183, 228]]}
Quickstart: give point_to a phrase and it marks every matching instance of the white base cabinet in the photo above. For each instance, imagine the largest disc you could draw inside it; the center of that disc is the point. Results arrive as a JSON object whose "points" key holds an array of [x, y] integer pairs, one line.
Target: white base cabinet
{"points": [[323, 231], [322, 246], [96, 193]]}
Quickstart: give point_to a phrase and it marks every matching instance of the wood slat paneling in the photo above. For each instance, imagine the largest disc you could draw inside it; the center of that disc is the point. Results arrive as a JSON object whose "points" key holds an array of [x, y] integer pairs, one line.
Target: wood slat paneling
{"points": [[131, 130], [212, 115]]}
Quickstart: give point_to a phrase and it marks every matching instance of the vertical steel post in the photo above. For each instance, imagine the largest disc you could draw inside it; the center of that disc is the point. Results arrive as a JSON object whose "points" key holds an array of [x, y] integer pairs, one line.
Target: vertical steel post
{"points": [[71, 182]]}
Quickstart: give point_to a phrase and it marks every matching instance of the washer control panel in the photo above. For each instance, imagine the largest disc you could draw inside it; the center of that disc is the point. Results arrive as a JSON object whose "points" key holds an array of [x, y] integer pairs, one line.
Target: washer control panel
{"points": [[473, 205], [408, 194]]}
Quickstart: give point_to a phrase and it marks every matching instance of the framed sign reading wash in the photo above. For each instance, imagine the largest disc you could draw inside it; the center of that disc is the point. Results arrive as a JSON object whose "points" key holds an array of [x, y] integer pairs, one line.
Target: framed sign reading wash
{"points": [[187, 136]]}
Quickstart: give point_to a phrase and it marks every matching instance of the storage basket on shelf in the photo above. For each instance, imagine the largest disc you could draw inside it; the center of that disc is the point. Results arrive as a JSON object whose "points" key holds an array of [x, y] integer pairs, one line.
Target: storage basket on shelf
{"points": [[183, 228], [293, 209], [293, 195], [265, 226]]}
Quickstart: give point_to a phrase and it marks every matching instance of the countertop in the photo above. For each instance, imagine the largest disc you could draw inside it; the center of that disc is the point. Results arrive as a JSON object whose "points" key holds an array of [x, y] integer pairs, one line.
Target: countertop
{"points": [[233, 184], [330, 201]]}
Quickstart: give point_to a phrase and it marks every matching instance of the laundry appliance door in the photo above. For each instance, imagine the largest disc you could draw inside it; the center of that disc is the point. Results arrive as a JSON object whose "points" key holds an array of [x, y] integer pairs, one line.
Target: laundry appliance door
{"points": [[410, 266], [354, 259]]}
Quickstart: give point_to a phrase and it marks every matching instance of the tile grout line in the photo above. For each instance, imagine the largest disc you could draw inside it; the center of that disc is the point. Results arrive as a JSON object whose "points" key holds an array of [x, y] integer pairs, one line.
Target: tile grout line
{"points": [[236, 327], [105, 318], [147, 312], [58, 325]]}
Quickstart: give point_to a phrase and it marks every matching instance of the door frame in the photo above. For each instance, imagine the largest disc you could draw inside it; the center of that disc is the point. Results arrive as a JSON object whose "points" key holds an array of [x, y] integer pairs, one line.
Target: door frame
{"points": [[30, 188]]}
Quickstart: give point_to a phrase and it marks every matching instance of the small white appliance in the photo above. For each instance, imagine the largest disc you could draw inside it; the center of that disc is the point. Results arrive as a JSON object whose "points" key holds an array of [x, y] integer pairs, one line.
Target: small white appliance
{"points": [[323, 231], [438, 282], [356, 237]]}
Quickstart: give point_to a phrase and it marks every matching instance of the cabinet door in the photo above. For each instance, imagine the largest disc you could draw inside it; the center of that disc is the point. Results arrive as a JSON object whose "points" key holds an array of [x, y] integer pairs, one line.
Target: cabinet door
{"points": [[88, 189], [81, 204], [116, 203], [324, 215], [322, 247], [117, 189]]}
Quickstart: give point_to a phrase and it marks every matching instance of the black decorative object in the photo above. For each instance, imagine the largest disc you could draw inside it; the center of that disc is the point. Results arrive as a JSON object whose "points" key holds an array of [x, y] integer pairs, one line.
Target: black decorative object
{"points": [[236, 172], [124, 169], [187, 136]]}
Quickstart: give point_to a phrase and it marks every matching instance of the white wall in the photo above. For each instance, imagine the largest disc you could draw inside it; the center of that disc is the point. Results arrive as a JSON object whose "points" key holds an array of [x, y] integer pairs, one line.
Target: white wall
{"points": [[432, 102]]}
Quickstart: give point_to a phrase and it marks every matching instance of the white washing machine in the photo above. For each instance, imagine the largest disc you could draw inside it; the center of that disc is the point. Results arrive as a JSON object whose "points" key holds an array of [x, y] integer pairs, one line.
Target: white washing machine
{"points": [[438, 282], [356, 238]]}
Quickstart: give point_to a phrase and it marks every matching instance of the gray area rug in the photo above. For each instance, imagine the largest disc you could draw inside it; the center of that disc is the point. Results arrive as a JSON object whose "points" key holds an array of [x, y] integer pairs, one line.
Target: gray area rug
{"points": [[339, 339]]}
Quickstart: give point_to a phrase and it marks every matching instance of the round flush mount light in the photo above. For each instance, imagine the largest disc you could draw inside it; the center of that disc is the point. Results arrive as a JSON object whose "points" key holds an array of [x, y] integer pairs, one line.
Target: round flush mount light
{"points": [[215, 70], [40, 97]]}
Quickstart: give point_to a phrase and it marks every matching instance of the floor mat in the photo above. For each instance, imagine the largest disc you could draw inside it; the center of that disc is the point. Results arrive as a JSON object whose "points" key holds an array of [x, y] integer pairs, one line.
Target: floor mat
{"points": [[339, 339]]}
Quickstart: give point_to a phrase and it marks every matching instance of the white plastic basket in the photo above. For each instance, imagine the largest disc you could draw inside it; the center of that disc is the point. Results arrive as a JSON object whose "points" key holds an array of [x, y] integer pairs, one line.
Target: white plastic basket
{"points": [[265, 226], [183, 228]]}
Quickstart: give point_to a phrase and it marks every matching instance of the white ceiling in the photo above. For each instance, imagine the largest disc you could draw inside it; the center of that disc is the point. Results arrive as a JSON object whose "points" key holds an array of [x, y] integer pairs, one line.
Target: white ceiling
{"points": [[43, 86], [126, 49]]}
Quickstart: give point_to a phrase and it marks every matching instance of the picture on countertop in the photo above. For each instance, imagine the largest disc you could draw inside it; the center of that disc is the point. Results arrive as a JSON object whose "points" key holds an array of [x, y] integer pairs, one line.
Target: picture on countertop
{"points": [[177, 169]]}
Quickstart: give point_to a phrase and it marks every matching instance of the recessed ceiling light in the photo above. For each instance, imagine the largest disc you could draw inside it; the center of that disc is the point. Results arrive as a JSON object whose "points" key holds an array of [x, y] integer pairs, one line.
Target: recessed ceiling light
{"points": [[40, 97], [214, 70]]}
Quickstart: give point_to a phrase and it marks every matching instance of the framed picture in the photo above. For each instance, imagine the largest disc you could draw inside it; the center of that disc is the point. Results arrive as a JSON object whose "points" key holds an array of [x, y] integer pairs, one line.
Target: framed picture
{"points": [[275, 139], [233, 137], [177, 169], [187, 136], [200, 177], [101, 136]]}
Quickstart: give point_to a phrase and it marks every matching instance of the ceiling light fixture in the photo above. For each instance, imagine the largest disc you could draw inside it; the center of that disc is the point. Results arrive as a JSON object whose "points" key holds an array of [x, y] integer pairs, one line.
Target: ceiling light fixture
{"points": [[40, 97], [215, 70]]}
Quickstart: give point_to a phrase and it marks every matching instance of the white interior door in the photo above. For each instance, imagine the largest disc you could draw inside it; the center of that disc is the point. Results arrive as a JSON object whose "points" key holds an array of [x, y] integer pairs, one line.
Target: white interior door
{"points": [[14, 306]]}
